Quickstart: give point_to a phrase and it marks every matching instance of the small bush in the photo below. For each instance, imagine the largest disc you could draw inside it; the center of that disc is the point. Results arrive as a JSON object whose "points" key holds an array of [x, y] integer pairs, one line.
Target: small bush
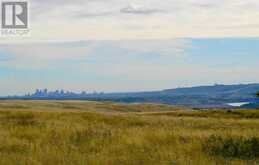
{"points": [[87, 135], [10, 146], [232, 147], [22, 119]]}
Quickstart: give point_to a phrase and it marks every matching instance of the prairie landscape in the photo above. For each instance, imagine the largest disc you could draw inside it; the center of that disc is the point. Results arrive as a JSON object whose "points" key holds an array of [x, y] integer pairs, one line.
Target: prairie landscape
{"points": [[106, 133]]}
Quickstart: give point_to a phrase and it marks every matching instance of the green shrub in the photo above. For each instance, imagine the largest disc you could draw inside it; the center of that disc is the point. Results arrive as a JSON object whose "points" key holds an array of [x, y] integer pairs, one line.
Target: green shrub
{"points": [[247, 148]]}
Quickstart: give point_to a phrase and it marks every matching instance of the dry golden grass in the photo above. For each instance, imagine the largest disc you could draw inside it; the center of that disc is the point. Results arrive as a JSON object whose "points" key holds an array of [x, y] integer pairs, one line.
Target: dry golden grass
{"points": [[96, 133]]}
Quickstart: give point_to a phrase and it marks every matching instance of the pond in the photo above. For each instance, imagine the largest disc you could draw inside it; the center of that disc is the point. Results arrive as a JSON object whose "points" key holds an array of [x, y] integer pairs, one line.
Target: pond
{"points": [[239, 104]]}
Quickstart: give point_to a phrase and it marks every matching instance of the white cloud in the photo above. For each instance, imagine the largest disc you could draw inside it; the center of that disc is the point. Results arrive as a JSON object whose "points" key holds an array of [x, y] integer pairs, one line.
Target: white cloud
{"points": [[173, 47], [124, 19], [50, 54], [137, 9], [43, 55]]}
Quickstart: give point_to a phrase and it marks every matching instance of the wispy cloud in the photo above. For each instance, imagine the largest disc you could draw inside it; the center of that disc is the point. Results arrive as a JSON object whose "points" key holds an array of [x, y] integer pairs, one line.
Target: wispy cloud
{"points": [[102, 19], [93, 15], [40, 55], [136, 9]]}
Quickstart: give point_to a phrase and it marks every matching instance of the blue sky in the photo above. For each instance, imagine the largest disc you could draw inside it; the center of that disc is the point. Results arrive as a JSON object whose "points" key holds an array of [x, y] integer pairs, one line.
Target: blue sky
{"points": [[132, 45], [127, 65]]}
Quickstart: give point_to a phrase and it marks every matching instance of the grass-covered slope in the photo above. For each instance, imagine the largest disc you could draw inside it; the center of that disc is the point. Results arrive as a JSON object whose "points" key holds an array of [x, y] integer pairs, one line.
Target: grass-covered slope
{"points": [[92, 133]]}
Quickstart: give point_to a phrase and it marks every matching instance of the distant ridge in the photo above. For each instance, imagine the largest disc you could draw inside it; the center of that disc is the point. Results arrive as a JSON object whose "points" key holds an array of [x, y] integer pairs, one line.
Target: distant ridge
{"points": [[200, 96], [215, 90]]}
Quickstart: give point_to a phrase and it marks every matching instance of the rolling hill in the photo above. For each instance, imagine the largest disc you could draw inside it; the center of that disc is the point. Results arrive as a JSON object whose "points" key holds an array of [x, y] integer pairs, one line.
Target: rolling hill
{"points": [[200, 96]]}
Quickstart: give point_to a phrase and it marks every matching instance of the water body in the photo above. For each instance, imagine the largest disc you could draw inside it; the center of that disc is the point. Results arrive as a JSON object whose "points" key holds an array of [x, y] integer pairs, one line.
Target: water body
{"points": [[238, 104]]}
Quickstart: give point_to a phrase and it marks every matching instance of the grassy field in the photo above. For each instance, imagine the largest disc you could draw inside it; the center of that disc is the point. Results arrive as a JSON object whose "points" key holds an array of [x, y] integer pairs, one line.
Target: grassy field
{"points": [[98, 133]]}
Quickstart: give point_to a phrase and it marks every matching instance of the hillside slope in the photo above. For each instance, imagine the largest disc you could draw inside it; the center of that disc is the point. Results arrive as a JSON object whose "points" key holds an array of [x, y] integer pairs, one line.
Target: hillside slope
{"points": [[201, 96], [98, 133]]}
